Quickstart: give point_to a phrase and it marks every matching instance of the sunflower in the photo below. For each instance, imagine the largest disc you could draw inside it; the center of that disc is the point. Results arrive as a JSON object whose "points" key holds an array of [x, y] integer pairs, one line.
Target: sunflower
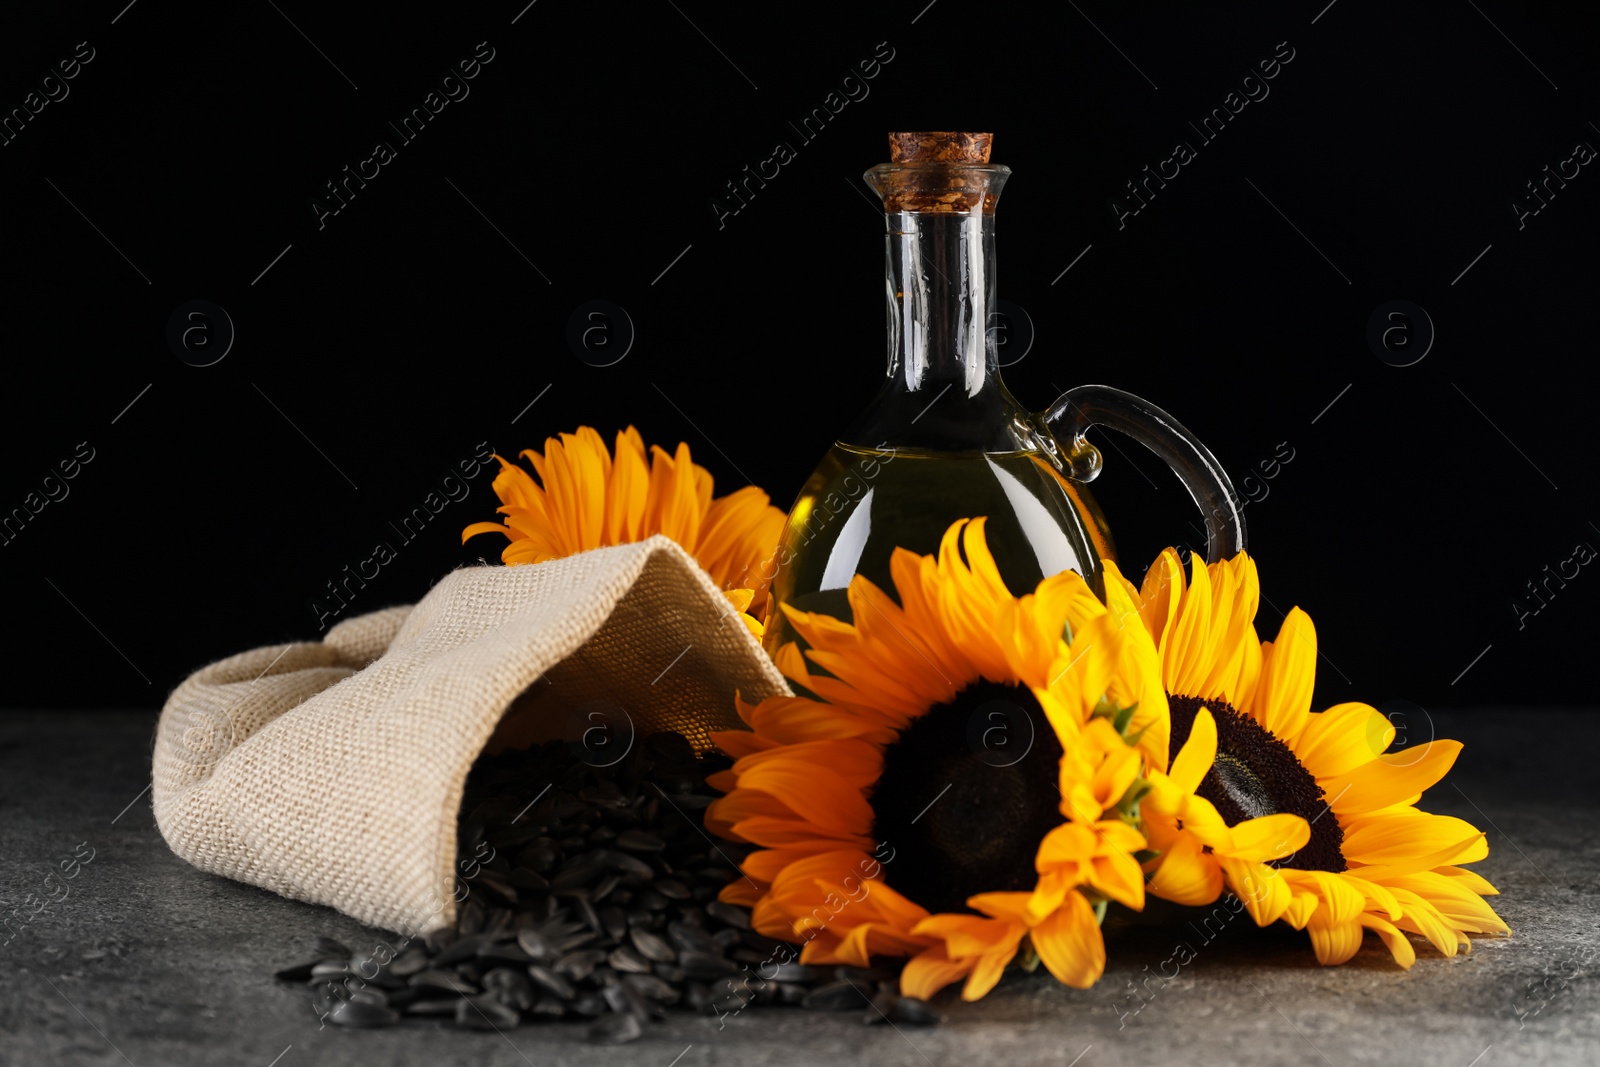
{"points": [[1247, 748], [910, 806], [589, 499]]}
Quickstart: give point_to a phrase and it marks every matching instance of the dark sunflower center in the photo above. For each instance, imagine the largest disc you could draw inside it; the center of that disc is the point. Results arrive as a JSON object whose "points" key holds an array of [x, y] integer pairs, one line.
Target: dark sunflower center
{"points": [[967, 793], [1256, 774]]}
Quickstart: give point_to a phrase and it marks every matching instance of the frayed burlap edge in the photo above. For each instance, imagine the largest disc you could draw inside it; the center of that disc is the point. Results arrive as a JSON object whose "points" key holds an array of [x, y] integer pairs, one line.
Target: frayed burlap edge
{"points": [[332, 771]]}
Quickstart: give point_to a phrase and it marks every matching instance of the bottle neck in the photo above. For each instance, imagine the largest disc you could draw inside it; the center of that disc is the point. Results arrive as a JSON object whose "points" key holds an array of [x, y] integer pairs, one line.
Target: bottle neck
{"points": [[941, 291]]}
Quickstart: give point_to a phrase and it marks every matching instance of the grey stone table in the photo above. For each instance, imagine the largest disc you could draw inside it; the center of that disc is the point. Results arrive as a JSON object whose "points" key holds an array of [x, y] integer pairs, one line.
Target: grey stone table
{"points": [[150, 962]]}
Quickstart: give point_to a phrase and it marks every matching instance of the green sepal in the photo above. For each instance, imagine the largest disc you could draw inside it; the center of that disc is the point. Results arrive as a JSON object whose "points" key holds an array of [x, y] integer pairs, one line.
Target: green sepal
{"points": [[1134, 739], [1127, 808], [1124, 717]]}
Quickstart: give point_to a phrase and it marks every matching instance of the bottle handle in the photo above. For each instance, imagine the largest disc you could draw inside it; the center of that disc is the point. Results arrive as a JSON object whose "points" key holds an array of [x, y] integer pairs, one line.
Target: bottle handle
{"points": [[1071, 416]]}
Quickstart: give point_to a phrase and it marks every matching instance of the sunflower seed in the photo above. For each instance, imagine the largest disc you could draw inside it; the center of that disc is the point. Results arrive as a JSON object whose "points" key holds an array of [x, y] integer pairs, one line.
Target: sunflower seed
{"points": [[507, 953], [615, 923], [510, 987], [788, 992], [587, 912], [882, 1003], [298, 973], [764, 943], [690, 938], [705, 966], [593, 895], [485, 1013], [579, 964], [623, 997], [442, 980], [727, 913], [368, 969], [534, 944], [440, 939], [401, 999], [409, 962], [653, 988], [577, 873], [623, 863], [528, 878], [730, 1000], [865, 977], [551, 982], [462, 950], [561, 946], [548, 1008], [628, 958], [640, 841], [649, 900], [650, 946], [916, 1012], [590, 1004], [362, 1015], [496, 884], [697, 996], [541, 857], [617, 1028], [470, 919], [835, 996]]}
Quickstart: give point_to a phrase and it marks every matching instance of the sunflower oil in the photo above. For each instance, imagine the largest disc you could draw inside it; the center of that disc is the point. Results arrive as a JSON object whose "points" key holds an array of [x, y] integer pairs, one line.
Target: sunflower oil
{"points": [[860, 504]]}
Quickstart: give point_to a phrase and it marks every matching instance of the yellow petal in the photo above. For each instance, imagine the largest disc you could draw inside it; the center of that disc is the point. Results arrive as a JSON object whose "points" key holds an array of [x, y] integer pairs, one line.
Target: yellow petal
{"points": [[930, 971], [986, 973], [1398, 839], [1187, 649], [1069, 943], [1342, 738], [1264, 891], [1282, 700], [1269, 837], [1398, 944], [1335, 942], [1390, 779], [1161, 595], [1194, 759], [1188, 874]]}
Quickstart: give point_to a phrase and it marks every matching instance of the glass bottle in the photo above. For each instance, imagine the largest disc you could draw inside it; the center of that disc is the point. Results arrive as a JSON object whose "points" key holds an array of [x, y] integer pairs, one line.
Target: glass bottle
{"points": [[944, 438]]}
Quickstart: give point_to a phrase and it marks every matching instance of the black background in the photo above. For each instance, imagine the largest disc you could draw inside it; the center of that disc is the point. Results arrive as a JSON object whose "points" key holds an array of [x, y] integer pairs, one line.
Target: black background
{"points": [[380, 349]]}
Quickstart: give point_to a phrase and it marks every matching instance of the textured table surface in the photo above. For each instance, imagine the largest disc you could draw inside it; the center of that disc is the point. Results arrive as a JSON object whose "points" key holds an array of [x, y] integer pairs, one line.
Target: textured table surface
{"points": [[150, 962]]}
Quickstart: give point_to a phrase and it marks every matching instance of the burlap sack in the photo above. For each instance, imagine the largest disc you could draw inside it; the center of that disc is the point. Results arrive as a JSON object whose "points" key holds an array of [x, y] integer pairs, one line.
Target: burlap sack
{"points": [[332, 771]]}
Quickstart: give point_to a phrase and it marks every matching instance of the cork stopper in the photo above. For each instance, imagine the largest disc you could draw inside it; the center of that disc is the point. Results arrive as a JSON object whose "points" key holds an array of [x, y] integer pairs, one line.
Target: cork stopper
{"points": [[940, 147], [939, 172]]}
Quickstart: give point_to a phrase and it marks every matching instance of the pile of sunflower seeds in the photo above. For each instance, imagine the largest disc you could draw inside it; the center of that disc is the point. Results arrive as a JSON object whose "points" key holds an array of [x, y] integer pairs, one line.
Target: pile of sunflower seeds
{"points": [[588, 893]]}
